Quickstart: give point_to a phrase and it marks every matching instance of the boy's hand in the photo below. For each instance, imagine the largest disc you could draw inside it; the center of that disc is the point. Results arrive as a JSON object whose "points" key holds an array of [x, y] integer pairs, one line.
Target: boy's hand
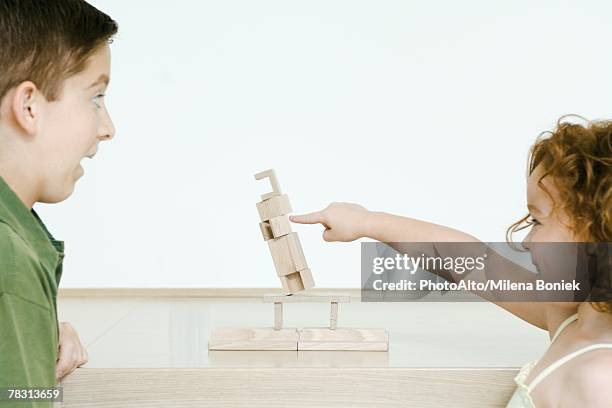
{"points": [[342, 221], [72, 354]]}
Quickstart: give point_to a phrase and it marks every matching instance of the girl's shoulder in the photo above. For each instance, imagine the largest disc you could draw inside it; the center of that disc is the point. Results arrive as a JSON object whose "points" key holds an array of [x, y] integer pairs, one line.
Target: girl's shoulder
{"points": [[589, 376]]}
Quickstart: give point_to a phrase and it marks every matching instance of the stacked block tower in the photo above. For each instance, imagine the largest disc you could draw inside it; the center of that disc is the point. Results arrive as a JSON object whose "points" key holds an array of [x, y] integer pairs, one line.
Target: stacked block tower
{"points": [[285, 246]]}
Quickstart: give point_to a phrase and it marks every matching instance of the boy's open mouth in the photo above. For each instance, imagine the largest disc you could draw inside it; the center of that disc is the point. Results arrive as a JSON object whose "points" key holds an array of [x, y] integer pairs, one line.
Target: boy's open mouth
{"points": [[91, 156], [83, 159]]}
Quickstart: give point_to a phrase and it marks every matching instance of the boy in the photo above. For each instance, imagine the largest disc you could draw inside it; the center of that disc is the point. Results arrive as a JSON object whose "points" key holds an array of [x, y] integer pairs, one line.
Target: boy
{"points": [[54, 69]]}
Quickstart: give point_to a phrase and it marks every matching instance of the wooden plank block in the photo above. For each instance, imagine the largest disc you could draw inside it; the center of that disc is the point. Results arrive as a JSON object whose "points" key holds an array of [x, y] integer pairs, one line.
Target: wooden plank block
{"points": [[270, 174], [273, 386], [322, 297], [229, 338], [278, 315], [218, 294], [347, 339], [274, 207], [287, 254]]}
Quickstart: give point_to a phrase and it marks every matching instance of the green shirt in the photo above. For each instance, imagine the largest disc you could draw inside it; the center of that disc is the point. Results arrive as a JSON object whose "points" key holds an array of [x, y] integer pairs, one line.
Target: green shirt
{"points": [[30, 271]]}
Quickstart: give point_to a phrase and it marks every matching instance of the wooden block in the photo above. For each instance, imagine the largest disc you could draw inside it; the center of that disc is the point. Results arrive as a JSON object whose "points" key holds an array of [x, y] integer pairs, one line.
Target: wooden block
{"points": [[275, 227], [228, 338], [307, 279], [343, 339], [280, 226], [278, 315], [306, 297], [287, 254], [333, 318], [270, 174], [266, 230], [274, 207], [292, 283], [297, 281]]}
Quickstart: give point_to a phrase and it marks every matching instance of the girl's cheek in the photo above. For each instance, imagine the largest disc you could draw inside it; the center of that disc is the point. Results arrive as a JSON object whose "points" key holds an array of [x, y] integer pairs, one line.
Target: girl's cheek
{"points": [[544, 234]]}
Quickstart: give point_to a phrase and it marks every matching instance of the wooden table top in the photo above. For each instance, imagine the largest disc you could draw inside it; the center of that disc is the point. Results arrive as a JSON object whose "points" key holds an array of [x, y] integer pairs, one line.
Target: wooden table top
{"points": [[145, 330]]}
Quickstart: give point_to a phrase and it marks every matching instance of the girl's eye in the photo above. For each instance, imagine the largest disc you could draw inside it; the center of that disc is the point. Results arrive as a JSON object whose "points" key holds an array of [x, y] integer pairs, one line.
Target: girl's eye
{"points": [[529, 222], [532, 221], [97, 100]]}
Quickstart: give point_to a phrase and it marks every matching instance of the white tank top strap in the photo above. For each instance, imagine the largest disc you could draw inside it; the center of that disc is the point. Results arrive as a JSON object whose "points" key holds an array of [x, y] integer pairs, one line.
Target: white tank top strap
{"points": [[564, 360], [563, 325]]}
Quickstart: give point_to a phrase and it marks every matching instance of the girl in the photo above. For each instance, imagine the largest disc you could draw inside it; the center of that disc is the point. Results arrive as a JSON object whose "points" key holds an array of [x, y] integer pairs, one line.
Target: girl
{"points": [[569, 195]]}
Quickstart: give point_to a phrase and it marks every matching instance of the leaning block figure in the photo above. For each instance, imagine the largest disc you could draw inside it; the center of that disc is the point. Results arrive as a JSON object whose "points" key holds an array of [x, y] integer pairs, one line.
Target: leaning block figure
{"points": [[285, 246]]}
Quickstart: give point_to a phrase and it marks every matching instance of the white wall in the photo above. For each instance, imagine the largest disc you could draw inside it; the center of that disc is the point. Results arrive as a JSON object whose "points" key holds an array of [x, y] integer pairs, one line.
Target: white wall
{"points": [[420, 108]]}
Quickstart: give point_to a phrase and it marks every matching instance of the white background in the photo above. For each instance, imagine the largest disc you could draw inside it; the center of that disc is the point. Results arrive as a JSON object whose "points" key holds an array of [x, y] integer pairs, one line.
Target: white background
{"points": [[425, 109]]}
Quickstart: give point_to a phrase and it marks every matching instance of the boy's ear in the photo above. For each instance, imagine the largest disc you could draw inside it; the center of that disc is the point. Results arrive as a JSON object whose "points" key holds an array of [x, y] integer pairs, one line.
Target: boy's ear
{"points": [[25, 106]]}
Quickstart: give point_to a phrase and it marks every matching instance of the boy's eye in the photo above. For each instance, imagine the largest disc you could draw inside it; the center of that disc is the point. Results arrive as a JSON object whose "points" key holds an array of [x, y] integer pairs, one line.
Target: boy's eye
{"points": [[97, 100]]}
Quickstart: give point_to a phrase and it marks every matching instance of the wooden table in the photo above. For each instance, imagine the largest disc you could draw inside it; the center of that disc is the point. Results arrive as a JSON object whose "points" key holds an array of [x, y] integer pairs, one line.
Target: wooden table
{"points": [[148, 347]]}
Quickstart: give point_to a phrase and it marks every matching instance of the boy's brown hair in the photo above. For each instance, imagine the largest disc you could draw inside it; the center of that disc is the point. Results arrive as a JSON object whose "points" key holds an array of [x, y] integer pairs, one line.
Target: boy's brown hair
{"points": [[48, 41]]}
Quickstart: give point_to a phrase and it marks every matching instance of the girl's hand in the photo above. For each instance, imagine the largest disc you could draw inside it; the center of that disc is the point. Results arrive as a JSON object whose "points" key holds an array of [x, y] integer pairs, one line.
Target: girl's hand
{"points": [[342, 221]]}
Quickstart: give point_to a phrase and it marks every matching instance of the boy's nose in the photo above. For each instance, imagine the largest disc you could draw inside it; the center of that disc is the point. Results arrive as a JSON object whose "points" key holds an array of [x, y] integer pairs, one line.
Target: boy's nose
{"points": [[107, 132]]}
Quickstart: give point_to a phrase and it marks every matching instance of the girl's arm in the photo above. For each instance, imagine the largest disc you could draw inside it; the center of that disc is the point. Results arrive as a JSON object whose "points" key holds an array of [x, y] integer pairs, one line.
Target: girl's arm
{"points": [[348, 222]]}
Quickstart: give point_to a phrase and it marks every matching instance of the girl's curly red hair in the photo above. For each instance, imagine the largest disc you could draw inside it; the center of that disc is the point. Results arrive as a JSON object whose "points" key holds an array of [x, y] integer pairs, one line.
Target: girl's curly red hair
{"points": [[578, 159]]}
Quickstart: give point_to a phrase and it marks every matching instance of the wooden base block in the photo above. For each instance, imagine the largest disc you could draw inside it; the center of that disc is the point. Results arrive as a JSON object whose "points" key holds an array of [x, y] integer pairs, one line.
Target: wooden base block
{"points": [[309, 339], [343, 339], [253, 339], [308, 297]]}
